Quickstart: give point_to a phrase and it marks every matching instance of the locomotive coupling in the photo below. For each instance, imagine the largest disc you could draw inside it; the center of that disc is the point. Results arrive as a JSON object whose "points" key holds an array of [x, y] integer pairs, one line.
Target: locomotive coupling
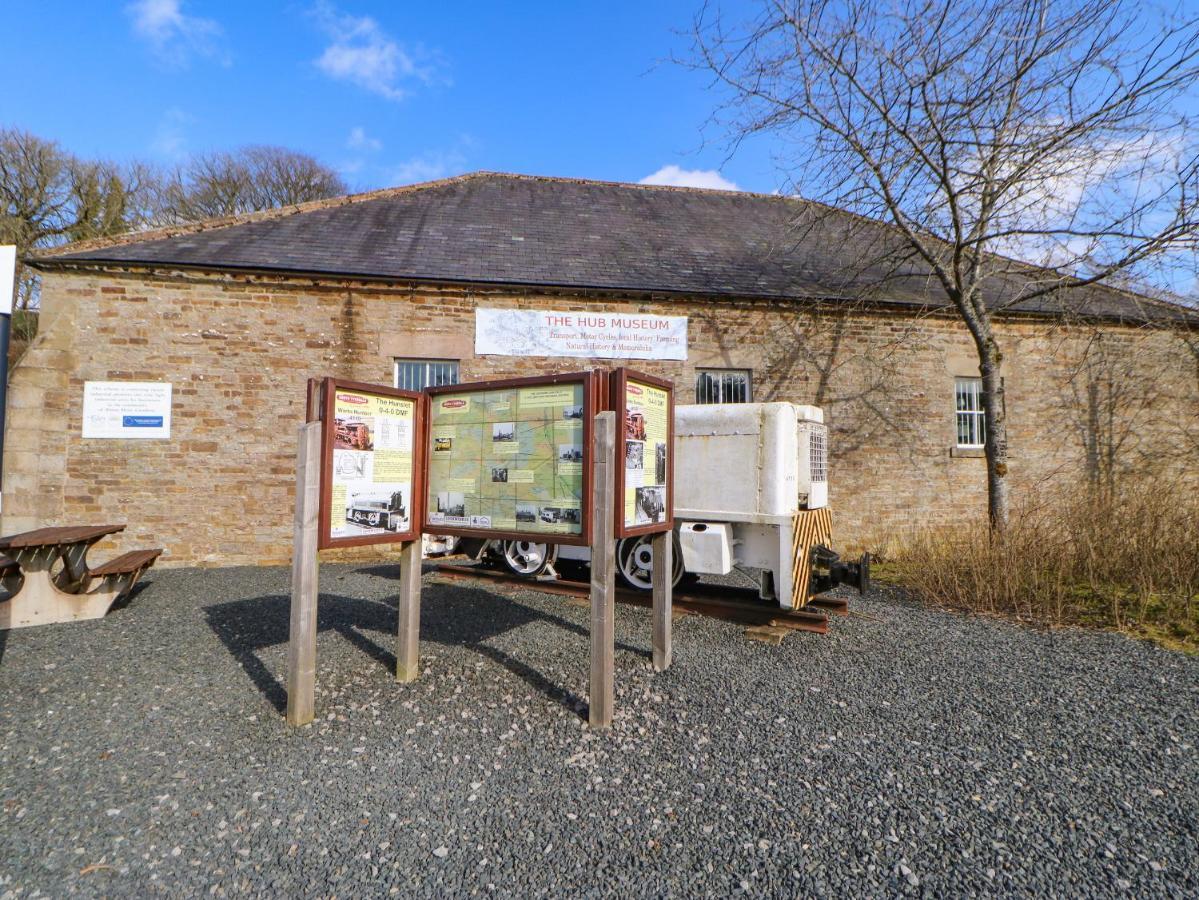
{"points": [[829, 570]]}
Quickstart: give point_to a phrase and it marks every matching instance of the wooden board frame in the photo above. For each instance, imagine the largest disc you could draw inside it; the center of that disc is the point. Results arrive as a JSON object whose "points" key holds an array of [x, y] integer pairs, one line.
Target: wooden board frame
{"points": [[594, 400], [616, 396], [320, 402]]}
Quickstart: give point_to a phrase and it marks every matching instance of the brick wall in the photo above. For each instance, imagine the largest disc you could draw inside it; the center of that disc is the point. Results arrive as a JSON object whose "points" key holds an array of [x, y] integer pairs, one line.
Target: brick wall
{"points": [[238, 351]]}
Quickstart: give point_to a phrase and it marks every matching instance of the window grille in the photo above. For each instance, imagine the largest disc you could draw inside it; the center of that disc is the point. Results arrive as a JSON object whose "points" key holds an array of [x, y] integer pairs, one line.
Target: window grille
{"points": [[722, 386], [818, 454], [418, 374], [969, 412]]}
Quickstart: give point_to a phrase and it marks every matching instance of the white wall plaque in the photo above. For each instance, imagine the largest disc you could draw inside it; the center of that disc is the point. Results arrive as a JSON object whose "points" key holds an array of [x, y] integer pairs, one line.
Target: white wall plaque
{"points": [[529, 332], [127, 409]]}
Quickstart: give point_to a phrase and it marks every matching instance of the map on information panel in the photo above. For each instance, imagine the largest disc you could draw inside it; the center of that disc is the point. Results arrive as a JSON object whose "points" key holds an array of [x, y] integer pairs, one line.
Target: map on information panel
{"points": [[508, 459]]}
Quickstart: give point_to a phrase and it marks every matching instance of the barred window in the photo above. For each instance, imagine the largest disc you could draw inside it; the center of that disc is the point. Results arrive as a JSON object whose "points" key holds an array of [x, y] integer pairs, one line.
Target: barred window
{"points": [[968, 394], [723, 386], [418, 374]]}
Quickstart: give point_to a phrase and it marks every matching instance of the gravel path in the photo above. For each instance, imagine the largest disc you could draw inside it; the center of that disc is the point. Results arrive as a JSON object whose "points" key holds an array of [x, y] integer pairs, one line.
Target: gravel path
{"points": [[906, 752]]}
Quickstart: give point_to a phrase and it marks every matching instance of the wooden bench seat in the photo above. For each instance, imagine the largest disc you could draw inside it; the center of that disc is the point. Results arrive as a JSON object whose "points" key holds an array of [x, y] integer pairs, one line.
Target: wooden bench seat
{"points": [[126, 563], [45, 578]]}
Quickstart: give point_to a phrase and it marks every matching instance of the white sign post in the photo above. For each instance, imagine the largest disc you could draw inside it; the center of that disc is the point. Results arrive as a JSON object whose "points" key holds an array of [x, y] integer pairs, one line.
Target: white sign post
{"points": [[137, 410], [7, 284], [8, 276], [530, 332]]}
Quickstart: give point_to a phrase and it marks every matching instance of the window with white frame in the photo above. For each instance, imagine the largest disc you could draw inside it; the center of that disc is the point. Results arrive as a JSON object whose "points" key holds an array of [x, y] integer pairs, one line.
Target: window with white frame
{"points": [[418, 374], [722, 386], [968, 404]]}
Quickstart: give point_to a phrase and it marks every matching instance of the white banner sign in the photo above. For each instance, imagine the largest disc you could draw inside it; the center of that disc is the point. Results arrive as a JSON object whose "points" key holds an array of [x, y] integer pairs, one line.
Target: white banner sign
{"points": [[126, 409], [8, 268], [602, 335]]}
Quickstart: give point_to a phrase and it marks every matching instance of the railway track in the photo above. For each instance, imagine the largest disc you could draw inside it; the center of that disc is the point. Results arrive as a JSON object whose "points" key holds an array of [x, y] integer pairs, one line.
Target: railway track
{"points": [[764, 622]]}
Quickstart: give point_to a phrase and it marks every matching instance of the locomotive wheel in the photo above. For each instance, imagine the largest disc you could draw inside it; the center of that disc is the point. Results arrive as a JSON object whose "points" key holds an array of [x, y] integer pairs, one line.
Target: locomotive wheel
{"points": [[372, 519], [635, 562], [528, 558]]}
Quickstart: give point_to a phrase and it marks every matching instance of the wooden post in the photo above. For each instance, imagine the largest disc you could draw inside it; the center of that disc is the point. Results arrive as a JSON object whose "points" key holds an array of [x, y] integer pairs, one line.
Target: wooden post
{"points": [[603, 571], [408, 633], [301, 647], [663, 551]]}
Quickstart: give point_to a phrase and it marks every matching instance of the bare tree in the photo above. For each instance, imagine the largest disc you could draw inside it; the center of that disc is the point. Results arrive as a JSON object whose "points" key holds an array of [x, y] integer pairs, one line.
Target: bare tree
{"points": [[1117, 388], [979, 131], [213, 185], [1186, 430], [48, 196], [35, 190]]}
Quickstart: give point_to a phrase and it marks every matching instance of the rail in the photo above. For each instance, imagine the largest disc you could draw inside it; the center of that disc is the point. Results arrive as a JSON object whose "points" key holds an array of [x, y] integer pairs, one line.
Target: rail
{"points": [[727, 602]]}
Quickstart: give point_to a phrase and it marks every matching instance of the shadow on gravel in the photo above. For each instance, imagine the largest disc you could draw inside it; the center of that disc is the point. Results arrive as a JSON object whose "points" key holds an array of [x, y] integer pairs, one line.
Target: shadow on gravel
{"points": [[392, 571], [458, 616], [116, 607], [130, 597]]}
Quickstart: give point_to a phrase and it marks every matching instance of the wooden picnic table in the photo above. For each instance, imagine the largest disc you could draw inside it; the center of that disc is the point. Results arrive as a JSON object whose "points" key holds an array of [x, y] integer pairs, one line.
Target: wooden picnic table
{"points": [[42, 547], [40, 593]]}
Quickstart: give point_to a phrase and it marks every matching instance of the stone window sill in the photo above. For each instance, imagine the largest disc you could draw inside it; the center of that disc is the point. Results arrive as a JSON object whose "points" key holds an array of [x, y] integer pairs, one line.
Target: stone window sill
{"points": [[967, 452]]}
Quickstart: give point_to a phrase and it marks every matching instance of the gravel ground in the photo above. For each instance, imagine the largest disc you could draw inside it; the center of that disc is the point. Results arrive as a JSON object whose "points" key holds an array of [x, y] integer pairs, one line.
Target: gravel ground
{"points": [[906, 752]]}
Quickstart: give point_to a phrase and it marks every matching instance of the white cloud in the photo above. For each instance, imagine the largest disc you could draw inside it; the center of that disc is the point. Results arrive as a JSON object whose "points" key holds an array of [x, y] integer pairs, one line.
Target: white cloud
{"points": [[360, 140], [696, 178], [1060, 213], [173, 36], [363, 54], [170, 137], [427, 167]]}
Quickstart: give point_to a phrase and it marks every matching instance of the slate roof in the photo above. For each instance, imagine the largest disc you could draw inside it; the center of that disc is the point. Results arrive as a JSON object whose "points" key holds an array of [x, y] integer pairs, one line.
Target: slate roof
{"points": [[531, 231]]}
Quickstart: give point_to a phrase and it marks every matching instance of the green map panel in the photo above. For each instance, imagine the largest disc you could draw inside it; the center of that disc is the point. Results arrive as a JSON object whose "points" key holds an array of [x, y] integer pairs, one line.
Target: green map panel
{"points": [[508, 460]]}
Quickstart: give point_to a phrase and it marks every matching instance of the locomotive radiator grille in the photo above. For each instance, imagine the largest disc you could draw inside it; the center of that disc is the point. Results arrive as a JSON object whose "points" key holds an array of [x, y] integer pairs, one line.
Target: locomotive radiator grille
{"points": [[818, 454]]}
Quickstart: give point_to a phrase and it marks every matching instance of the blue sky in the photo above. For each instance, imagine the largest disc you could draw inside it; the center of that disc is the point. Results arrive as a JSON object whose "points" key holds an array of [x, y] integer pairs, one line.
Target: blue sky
{"points": [[387, 93]]}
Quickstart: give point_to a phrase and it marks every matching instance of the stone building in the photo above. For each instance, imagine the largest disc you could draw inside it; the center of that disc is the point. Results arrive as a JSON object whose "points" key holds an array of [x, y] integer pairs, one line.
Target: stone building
{"points": [[236, 314]]}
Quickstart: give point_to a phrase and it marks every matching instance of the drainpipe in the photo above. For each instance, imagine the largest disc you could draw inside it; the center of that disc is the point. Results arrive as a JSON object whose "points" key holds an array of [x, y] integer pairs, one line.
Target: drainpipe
{"points": [[8, 268]]}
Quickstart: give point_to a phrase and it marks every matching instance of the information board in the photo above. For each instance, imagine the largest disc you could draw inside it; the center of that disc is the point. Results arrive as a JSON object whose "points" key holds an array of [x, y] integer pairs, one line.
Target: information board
{"points": [[371, 464], [510, 459], [137, 410], [645, 465]]}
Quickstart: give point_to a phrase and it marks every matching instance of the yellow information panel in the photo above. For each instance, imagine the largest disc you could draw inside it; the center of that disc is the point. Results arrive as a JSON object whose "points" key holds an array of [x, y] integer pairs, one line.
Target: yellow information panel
{"points": [[509, 459], [370, 486], [646, 449]]}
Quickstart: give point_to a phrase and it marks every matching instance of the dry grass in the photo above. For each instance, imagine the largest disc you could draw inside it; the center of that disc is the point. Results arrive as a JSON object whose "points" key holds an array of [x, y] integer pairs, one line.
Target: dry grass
{"points": [[1129, 562]]}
